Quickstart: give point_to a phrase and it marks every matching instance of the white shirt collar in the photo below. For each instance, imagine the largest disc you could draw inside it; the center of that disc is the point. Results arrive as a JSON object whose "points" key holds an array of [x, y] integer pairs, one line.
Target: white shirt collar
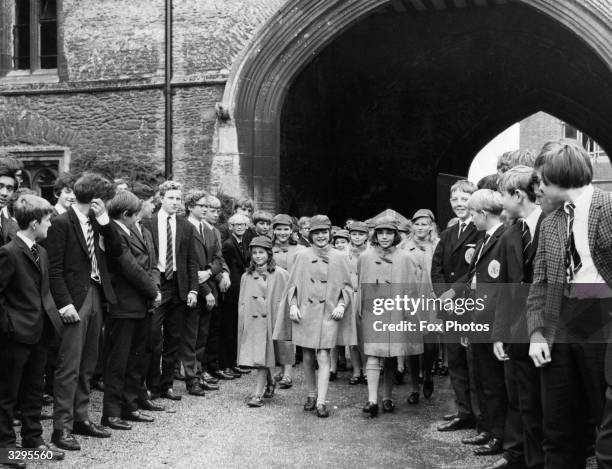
{"points": [[492, 230], [467, 222], [26, 240], [82, 218], [532, 219], [194, 222], [123, 227], [163, 215], [59, 208], [581, 198]]}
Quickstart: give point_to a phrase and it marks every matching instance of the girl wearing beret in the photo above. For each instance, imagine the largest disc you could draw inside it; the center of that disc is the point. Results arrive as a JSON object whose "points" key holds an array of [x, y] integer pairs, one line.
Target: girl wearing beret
{"points": [[261, 290], [385, 272], [313, 307], [421, 246], [284, 249]]}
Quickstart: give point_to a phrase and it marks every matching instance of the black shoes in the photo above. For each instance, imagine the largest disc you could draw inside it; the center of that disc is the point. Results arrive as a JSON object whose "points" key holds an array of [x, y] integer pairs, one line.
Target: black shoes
{"points": [[170, 394], [88, 428], [493, 446], [333, 375], [449, 417], [255, 401], [501, 463], [322, 411], [151, 406], [233, 373], [285, 382], [137, 416], [195, 389], [388, 405], [270, 388], [210, 379], [47, 399], [64, 439], [97, 383], [480, 439], [51, 452], [428, 388], [413, 398], [355, 380], [115, 423], [371, 408], [311, 404], [206, 386], [457, 424], [221, 374]]}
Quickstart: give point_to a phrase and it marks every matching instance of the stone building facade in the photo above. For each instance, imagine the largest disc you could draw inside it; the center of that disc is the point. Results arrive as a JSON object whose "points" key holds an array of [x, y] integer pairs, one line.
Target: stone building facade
{"points": [[219, 93]]}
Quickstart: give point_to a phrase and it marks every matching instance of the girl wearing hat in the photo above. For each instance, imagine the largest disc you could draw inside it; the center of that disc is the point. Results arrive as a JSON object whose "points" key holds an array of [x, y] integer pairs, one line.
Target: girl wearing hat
{"points": [[385, 272], [284, 249], [261, 290], [313, 309], [358, 233], [341, 240], [421, 246]]}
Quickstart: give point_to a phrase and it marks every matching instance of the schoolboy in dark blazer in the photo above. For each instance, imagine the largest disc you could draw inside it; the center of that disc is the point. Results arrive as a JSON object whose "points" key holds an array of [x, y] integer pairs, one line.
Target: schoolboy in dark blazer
{"points": [[8, 185], [135, 280], [28, 318], [482, 282], [451, 260]]}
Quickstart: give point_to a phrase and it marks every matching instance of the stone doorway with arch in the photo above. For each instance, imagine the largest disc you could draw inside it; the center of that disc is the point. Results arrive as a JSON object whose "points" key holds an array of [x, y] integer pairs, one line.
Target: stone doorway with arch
{"points": [[347, 107]]}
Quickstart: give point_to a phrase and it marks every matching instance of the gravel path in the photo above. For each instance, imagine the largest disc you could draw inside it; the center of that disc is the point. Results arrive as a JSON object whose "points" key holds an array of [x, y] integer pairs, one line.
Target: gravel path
{"points": [[220, 431]]}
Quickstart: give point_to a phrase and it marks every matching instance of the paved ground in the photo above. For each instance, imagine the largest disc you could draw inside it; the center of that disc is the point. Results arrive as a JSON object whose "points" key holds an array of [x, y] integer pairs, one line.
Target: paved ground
{"points": [[220, 431]]}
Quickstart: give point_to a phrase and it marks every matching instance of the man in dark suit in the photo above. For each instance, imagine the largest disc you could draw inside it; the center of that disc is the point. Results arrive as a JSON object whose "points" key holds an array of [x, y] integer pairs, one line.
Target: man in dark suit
{"points": [[8, 185], [208, 347], [523, 431], [197, 320], [78, 242], [135, 280], [28, 316], [174, 242], [451, 260], [569, 305], [236, 254], [481, 282]]}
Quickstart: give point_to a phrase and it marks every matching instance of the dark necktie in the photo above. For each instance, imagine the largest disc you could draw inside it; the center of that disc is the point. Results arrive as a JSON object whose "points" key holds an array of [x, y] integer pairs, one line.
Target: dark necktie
{"points": [[572, 258], [169, 254], [462, 226], [35, 254], [472, 271], [201, 231], [526, 237]]}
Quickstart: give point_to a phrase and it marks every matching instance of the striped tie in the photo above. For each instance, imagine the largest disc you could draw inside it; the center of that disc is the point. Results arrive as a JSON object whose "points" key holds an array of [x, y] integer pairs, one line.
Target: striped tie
{"points": [[526, 236], [95, 273], [169, 251], [472, 271], [572, 258], [35, 254]]}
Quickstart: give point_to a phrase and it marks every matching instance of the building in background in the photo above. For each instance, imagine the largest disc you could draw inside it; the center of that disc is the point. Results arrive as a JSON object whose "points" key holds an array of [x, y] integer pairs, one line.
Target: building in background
{"points": [[542, 127]]}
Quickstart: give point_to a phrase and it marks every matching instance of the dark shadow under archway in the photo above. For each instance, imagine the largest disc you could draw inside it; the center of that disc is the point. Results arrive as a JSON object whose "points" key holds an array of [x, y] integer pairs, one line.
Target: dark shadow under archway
{"points": [[397, 98]]}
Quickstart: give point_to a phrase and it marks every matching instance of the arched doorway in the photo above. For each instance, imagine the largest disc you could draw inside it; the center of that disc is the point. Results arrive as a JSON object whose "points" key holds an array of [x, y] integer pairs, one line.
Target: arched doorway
{"points": [[381, 96]]}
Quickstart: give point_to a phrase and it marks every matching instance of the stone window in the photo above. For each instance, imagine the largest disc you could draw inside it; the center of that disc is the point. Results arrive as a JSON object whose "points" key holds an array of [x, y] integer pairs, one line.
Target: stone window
{"points": [[29, 39]]}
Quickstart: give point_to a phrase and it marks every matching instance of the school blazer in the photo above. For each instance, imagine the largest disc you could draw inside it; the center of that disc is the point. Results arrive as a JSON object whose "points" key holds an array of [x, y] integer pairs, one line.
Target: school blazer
{"points": [[69, 263], [134, 276], [237, 260], [212, 241], [186, 263], [25, 297], [546, 291], [8, 229], [517, 273], [452, 256]]}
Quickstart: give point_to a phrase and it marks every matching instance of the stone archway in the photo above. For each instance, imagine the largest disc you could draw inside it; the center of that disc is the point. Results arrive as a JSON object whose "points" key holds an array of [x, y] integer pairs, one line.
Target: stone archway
{"points": [[288, 42]]}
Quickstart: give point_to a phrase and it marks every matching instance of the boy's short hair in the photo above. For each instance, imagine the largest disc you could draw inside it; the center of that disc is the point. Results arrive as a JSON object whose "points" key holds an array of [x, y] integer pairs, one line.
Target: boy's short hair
{"points": [[28, 208], [124, 201], [261, 215], [518, 178], [93, 186], [488, 182], [463, 185], [564, 163], [212, 200], [143, 191], [238, 218], [7, 171], [244, 203], [13, 164], [510, 159], [64, 180], [169, 186], [487, 200], [302, 221], [192, 198]]}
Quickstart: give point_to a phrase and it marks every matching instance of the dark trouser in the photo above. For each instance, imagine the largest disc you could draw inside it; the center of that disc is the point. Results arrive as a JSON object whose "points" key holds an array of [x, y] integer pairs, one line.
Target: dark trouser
{"points": [[459, 372], [573, 383], [99, 371], [513, 429], [195, 328], [51, 362], [124, 346], [604, 439], [491, 389], [22, 369], [229, 335], [166, 347], [527, 378], [208, 347], [140, 371], [76, 361]]}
